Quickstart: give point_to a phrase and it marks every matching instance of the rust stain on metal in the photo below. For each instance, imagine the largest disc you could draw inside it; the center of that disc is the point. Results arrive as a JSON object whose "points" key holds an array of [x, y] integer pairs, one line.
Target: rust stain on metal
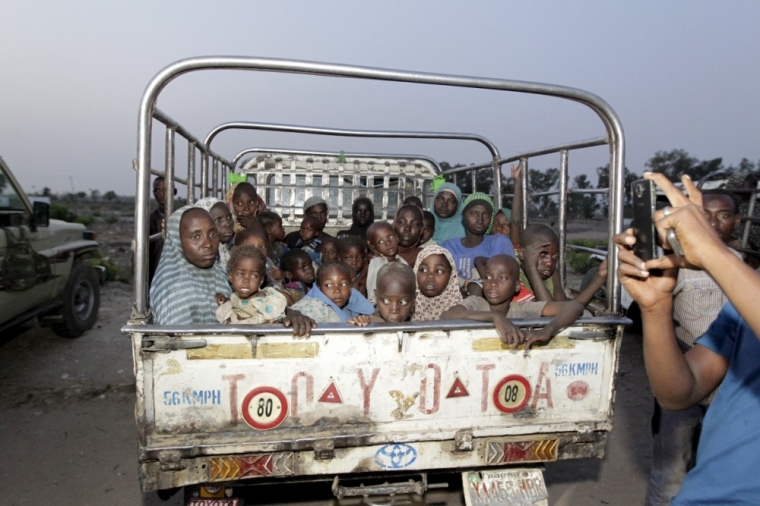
{"points": [[220, 351], [403, 403], [287, 350], [264, 350], [495, 344]]}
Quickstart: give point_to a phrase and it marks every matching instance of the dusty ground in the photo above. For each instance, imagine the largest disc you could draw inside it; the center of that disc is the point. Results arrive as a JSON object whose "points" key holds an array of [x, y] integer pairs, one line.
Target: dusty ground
{"points": [[69, 438]]}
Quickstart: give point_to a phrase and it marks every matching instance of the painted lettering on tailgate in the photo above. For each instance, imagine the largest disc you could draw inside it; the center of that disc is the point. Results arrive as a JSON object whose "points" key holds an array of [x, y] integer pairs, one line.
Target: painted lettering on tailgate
{"points": [[192, 397], [577, 369]]}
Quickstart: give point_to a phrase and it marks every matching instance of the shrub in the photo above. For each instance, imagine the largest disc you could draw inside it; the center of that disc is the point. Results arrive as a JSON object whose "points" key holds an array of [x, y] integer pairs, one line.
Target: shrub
{"points": [[84, 220], [580, 261], [96, 213], [61, 212], [113, 271], [111, 219]]}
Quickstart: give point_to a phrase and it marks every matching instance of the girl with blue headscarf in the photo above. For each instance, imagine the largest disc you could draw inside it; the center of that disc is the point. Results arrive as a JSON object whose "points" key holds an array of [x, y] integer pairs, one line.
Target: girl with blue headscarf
{"points": [[447, 211]]}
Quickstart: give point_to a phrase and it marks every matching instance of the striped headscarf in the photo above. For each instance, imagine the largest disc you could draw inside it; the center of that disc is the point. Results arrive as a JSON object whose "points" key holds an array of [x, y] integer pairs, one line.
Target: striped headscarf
{"points": [[182, 293], [430, 308]]}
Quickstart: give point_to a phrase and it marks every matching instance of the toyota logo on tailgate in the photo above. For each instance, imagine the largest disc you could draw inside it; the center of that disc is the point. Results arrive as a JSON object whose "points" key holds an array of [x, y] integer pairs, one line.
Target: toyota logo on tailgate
{"points": [[395, 456]]}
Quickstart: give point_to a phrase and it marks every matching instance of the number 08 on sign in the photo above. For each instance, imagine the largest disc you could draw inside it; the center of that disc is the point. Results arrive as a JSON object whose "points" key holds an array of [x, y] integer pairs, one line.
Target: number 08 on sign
{"points": [[264, 408]]}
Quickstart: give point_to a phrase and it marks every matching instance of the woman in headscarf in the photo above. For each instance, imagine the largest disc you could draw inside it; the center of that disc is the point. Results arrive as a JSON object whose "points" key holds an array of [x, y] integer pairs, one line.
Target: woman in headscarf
{"points": [[362, 216], [447, 211], [437, 284], [224, 222], [189, 275]]}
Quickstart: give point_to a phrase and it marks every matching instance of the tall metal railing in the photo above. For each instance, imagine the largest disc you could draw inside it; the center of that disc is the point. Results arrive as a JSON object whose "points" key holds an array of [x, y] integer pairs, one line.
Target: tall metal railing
{"points": [[613, 127]]}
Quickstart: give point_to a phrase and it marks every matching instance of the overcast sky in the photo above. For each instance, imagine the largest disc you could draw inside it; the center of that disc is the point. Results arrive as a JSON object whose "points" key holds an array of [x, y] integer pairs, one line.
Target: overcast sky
{"points": [[679, 74]]}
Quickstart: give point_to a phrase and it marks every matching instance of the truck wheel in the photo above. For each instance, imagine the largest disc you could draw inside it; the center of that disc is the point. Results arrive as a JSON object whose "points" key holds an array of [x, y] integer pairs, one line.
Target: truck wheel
{"points": [[81, 301]]}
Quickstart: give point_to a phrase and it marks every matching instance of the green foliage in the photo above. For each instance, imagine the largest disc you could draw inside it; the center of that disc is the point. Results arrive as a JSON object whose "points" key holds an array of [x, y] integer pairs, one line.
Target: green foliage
{"points": [[61, 212], [113, 271], [581, 206], [110, 195], [85, 220], [96, 213], [579, 261], [541, 181], [603, 181], [111, 219]]}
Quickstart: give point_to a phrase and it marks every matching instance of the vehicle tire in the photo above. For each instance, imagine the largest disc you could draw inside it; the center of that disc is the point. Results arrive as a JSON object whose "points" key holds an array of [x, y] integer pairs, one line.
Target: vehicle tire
{"points": [[81, 301]]}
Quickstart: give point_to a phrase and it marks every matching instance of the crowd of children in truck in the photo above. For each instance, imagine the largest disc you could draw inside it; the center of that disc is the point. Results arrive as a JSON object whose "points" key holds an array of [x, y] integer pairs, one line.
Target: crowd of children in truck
{"points": [[231, 262]]}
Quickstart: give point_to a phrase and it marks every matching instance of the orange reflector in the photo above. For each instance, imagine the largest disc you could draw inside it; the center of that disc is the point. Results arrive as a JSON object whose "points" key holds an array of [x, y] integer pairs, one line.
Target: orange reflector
{"points": [[252, 466], [504, 452]]}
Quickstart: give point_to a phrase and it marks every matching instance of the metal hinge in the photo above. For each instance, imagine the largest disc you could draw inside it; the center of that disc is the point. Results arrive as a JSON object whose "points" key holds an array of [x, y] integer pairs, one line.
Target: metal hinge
{"points": [[463, 441], [171, 460], [163, 343]]}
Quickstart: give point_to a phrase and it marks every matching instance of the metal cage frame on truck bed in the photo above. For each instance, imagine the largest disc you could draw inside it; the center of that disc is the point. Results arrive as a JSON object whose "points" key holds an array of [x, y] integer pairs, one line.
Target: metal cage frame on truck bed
{"points": [[614, 138]]}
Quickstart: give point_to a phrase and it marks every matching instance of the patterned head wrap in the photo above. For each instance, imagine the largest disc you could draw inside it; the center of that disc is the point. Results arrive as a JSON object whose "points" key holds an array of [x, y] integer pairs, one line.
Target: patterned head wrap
{"points": [[207, 203], [181, 293], [480, 198], [430, 308]]}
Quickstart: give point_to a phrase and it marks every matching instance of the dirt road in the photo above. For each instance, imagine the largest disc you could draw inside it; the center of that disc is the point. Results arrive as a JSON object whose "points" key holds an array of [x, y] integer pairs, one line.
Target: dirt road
{"points": [[69, 438]]}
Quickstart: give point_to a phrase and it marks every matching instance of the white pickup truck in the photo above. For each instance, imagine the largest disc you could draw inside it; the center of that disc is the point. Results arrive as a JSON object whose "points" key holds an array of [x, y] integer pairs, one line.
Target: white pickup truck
{"points": [[241, 405]]}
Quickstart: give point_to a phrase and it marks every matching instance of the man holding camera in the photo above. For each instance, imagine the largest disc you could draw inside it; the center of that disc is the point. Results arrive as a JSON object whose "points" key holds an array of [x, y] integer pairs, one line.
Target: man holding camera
{"points": [[726, 354]]}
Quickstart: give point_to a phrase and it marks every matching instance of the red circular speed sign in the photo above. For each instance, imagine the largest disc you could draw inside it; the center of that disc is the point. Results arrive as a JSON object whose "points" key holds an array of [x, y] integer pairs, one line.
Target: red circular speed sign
{"points": [[264, 408], [511, 394]]}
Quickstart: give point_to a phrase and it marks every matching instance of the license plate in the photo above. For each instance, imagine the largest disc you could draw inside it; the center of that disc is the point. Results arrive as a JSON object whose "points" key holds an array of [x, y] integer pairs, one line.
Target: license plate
{"points": [[506, 487], [213, 502]]}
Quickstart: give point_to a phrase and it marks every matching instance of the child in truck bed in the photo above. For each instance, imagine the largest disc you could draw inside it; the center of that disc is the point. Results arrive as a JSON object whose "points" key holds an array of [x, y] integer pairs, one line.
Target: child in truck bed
{"points": [[538, 267], [396, 288], [383, 242], [437, 284], [272, 224], [332, 299], [298, 272], [352, 251], [478, 215], [500, 283], [249, 302]]}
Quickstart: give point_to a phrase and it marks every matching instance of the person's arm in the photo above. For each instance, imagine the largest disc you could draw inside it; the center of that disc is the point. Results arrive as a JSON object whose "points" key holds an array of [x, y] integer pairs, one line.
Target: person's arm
{"points": [[678, 381], [480, 265], [703, 249], [508, 333], [588, 293], [559, 290], [300, 323], [515, 225], [565, 313], [530, 264]]}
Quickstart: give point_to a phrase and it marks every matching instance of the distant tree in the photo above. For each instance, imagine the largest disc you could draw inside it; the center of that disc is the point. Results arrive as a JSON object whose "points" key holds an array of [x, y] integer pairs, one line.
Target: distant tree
{"points": [[110, 195], [677, 162], [81, 195], [541, 181], [603, 181], [46, 192], [581, 206]]}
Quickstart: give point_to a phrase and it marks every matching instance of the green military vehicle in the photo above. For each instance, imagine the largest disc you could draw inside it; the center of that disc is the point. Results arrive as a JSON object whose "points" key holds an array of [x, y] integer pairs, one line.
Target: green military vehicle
{"points": [[45, 269]]}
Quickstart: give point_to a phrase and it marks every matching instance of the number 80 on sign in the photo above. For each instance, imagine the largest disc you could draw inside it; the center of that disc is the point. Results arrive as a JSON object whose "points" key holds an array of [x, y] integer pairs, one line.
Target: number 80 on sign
{"points": [[511, 394], [264, 408]]}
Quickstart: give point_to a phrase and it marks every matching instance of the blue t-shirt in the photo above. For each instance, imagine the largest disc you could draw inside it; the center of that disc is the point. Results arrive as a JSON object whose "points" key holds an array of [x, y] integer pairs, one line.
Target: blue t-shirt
{"points": [[464, 258], [728, 456]]}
